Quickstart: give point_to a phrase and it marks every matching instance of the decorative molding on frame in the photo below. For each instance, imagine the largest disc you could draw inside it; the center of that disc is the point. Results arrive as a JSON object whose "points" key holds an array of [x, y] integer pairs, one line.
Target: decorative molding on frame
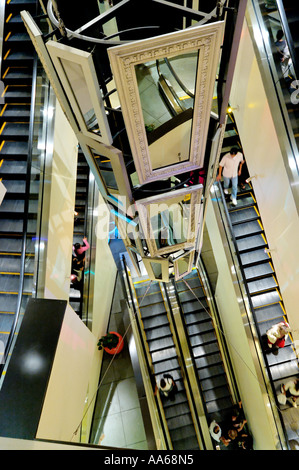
{"points": [[207, 41]]}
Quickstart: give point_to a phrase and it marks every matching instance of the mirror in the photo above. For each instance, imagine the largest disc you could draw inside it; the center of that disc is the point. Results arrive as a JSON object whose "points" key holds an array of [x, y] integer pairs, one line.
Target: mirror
{"points": [[157, 269], [166, 89], [183, 265], [78, 77], [168, 222], [165, 86]]}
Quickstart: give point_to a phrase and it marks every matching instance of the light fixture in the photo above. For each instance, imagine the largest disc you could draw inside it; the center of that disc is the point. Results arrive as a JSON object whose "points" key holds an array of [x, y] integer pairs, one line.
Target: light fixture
{"points": [[269, 250], [250, 178], [230, 109]]}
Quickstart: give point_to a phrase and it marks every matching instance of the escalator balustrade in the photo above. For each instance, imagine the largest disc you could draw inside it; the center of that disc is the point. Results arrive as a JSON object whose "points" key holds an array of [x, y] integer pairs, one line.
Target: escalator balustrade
{"points": [[204, 346], [16, 74], [164, 358]]}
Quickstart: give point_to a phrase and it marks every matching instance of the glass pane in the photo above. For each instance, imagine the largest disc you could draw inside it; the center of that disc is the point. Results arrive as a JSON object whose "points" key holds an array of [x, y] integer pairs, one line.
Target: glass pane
{"points": [[166, 90], [78, 84]]}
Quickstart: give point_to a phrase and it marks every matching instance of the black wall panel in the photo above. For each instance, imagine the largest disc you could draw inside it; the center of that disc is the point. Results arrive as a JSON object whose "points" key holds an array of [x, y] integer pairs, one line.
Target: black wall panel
{"points": [[26, 380]]}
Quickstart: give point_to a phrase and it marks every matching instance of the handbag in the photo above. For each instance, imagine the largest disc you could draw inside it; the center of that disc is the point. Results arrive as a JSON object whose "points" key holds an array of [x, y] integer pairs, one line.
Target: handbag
{"points": [[282, 399]]}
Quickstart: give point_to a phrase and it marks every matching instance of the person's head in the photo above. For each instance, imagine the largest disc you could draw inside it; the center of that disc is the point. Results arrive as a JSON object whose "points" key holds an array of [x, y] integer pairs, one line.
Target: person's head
{"points": [[233, 151], [162, 383], [235, 413], [77, 246], [216, 429], [279, 35], [232, 433]]}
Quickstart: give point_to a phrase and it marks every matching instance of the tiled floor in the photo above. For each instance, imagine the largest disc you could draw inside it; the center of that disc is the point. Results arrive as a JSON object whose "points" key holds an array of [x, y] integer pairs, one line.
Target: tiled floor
{"points": [[118, 420]]}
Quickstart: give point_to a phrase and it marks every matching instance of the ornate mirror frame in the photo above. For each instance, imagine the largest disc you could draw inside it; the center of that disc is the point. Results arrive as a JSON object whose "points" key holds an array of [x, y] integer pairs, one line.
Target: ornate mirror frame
{"points": [[207, 40], [143, 206]]}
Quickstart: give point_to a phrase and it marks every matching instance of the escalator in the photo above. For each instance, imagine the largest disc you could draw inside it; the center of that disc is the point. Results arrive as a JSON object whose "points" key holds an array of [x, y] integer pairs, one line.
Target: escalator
{"points": [[205, 347], [164, 358], [80, 209], [260, 282], [18, 212]]}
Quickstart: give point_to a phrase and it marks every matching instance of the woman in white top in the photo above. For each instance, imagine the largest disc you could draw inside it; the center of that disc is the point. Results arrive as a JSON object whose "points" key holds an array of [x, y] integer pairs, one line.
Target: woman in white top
{"points": [[291, 390], [167, 386]]}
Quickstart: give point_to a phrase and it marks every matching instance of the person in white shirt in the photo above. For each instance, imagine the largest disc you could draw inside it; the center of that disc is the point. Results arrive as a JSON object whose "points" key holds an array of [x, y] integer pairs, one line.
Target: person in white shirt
{"points": [[291, 390], [230, 167]]}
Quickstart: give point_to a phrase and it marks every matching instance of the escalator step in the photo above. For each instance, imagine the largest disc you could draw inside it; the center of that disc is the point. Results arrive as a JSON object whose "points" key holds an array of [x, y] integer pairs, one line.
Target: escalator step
{"points": [[152, 309], [156, 321], [176, 410], [179, 421], [242, 215], [247, 229], [15, 150], [213, 382], [287, 369], [160, 343], [161, 333], [284, 355], [151, 299], [199, 328], [271, 312], [258, 270], [207, 361], [10, 283], [262, 284], [15, 112], [6, 322], [214, 406], [164, 355], [166, 366], [14, 245], [205, 350], [204, 338], [18, 75], [195, 306], [188, 295], [16, 226], [250, 242], [189, 443], [264, 299], [254, 257], [15, 131], [211, 371]]}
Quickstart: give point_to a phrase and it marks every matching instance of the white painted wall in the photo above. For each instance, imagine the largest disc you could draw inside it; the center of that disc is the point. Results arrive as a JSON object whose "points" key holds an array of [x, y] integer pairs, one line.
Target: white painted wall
{"points": [[67, 388]]}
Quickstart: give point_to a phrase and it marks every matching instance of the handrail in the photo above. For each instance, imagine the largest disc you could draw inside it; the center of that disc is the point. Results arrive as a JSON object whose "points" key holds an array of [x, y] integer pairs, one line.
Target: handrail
{"points": [[186, 338], [215, 313], [226, 220], [142, 342]]}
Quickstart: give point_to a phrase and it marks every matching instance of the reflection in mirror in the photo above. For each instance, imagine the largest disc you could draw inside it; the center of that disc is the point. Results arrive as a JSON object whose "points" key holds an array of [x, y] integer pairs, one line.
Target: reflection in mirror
{"points": [[166, 89], [170, 223], [75, 75], [104, 165], [157, 269], [184, 264]]}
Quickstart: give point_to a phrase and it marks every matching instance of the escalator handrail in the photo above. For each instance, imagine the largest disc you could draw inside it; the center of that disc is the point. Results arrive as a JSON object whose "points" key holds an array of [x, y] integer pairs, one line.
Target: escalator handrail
{"points": [[226, 213], [186, 335], [179, 81], [142, 343]]}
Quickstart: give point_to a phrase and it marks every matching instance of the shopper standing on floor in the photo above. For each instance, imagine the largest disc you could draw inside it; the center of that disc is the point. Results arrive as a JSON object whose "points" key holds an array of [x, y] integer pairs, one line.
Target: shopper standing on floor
{"points": [[230, 167]]}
